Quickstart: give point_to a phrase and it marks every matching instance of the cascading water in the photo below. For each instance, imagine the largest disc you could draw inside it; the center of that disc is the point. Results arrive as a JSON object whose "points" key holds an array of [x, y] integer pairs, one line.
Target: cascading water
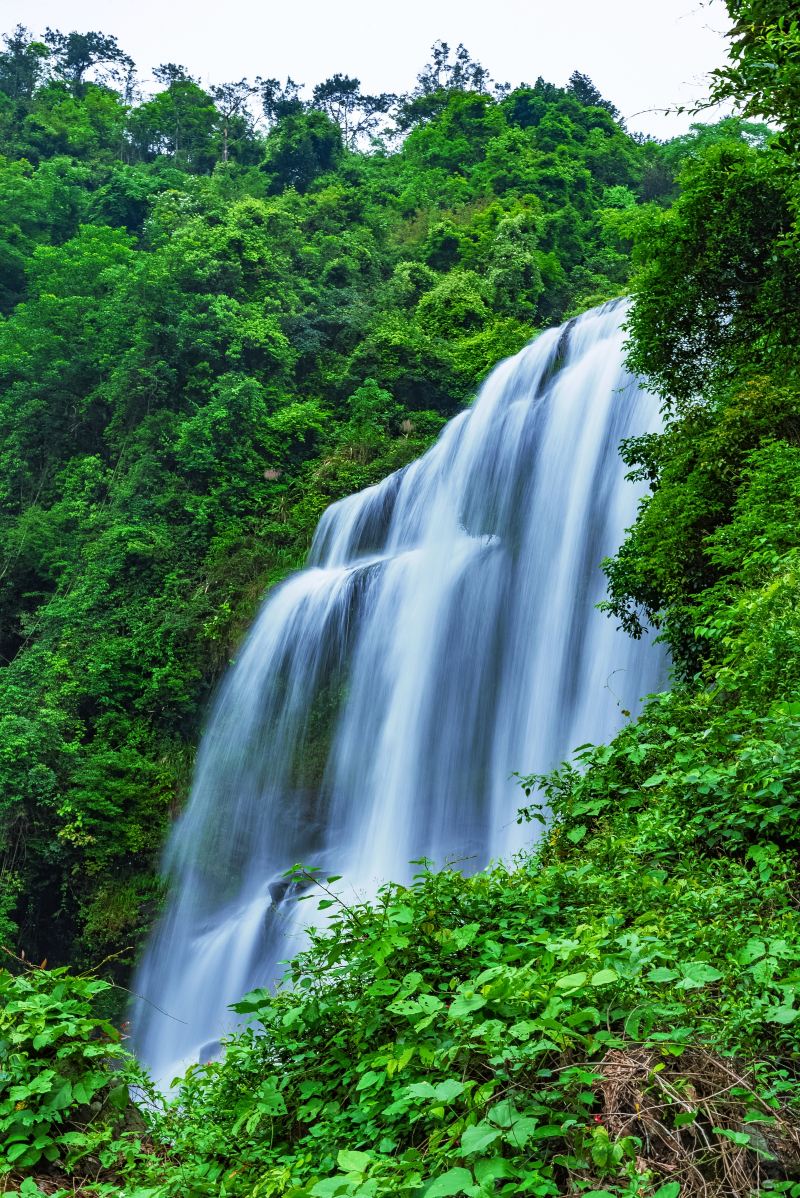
{"points": [[443, 635]]}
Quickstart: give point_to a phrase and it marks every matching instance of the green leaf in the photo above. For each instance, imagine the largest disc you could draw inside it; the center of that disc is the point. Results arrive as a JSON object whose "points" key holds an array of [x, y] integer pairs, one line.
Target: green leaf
{"points": [[118, 1097], [573, 981], [479, 1137], [781, 1015], [29, 1189], [447, 1090], [521, 1130], [454, 1181], [604, 977], [61, 1099], [671, 1190], [696, 974], [464, 936], [577, 834], [662, 974], [369, 1079], [329, 1187], [15, 1151], [738, 1137], [254, 1000], [752, 951], [465, 1004], [491, 1168], [268, 1099], [351, 1161]]}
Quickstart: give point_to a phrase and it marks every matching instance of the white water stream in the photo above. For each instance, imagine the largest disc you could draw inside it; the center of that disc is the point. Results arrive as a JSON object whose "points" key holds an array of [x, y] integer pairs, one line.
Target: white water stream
{"points": [[443, 636]]}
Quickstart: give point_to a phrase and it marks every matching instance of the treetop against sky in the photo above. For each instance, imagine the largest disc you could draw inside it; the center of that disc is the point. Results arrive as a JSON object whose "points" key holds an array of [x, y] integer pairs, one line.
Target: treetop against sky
{"points": [[647, 55]]}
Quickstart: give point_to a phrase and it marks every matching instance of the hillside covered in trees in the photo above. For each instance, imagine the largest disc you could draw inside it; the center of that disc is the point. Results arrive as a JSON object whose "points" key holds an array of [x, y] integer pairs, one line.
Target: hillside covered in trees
{"points": [[211, 329], [220, 311]]}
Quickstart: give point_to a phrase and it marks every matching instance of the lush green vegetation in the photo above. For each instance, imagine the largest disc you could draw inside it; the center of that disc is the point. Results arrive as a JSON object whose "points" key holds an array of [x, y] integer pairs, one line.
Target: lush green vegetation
{"points": [[210, 331], [210, 328], [619, 1015]]}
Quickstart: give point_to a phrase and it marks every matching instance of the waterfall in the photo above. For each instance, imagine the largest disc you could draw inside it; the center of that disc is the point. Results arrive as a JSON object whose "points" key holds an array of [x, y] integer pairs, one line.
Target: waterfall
{"points": [[443, 635]]}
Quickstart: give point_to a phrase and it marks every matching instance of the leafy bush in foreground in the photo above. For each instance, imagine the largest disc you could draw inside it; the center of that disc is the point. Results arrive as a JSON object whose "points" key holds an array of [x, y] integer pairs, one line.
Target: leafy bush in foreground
{"points": [[59, 1092]]}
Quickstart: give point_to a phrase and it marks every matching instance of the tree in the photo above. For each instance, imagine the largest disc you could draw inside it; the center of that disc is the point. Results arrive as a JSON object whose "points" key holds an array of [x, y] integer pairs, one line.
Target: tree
{"points": [[301, 147], [180, 121], [462, 72], [586, 93], [22, 64], [172, 72], [73, 55], [356, 114], [279, 101], [231, 100], [763, 74], [441, 76], [718, 280]]}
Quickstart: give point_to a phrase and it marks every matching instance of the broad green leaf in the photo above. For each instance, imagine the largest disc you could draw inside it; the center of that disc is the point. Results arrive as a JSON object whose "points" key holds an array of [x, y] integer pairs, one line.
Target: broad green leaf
{"points": [[268, 1098], [254, 1000], [604, 977], [352, 1161], [61, 1099], [330, 1187], [491, 1168], [454, 1181], [15, 1151], [781, 1015], [479, 1137], [577, 834], [520, 1131], [369, 1079], [738, 1137], [573, 981], [752, 951], [671, 1190], [465, 1004], [464, 936], [662, 974], [696, 974], [447, 1090]]}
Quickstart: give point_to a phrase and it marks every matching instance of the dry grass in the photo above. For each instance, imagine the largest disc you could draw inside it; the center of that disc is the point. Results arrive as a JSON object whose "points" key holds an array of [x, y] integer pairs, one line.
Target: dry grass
{"points": [[680, 1108]]}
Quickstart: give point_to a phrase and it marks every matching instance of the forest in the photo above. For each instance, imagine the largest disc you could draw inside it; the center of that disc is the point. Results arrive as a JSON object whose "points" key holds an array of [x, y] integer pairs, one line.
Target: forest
{"points": [[223, 309]]}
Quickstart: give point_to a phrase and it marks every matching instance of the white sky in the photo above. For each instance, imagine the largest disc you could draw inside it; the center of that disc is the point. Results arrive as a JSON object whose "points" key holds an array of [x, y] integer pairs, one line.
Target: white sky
{"points": [[643, 55]]}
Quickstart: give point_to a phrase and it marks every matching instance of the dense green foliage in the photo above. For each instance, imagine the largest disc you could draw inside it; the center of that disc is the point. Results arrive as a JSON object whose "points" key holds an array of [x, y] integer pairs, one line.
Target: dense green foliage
{"points": [[58, 1092], [616, 1016], [208, 333]]}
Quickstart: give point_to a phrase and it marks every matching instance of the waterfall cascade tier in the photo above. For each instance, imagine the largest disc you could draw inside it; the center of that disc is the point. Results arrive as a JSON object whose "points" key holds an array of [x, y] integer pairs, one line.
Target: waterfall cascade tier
{"points": [[443, 636]]}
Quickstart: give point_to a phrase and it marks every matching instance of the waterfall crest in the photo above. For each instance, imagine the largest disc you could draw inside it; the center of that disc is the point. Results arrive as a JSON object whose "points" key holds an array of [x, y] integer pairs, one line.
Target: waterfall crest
{"points": [[443, 635]]}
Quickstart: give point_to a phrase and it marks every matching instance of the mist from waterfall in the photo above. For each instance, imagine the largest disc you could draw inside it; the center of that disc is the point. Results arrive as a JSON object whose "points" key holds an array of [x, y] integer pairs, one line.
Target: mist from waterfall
{"points": [[444, 635]]}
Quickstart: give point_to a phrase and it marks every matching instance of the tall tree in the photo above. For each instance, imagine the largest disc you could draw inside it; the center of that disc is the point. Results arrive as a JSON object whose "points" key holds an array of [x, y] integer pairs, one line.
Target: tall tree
{"points": [[357, 115], [279, 100], [585, 91], [179, 121], [74, 55], [231, 100], [442, 75], [22, 64], [762, 76]]}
